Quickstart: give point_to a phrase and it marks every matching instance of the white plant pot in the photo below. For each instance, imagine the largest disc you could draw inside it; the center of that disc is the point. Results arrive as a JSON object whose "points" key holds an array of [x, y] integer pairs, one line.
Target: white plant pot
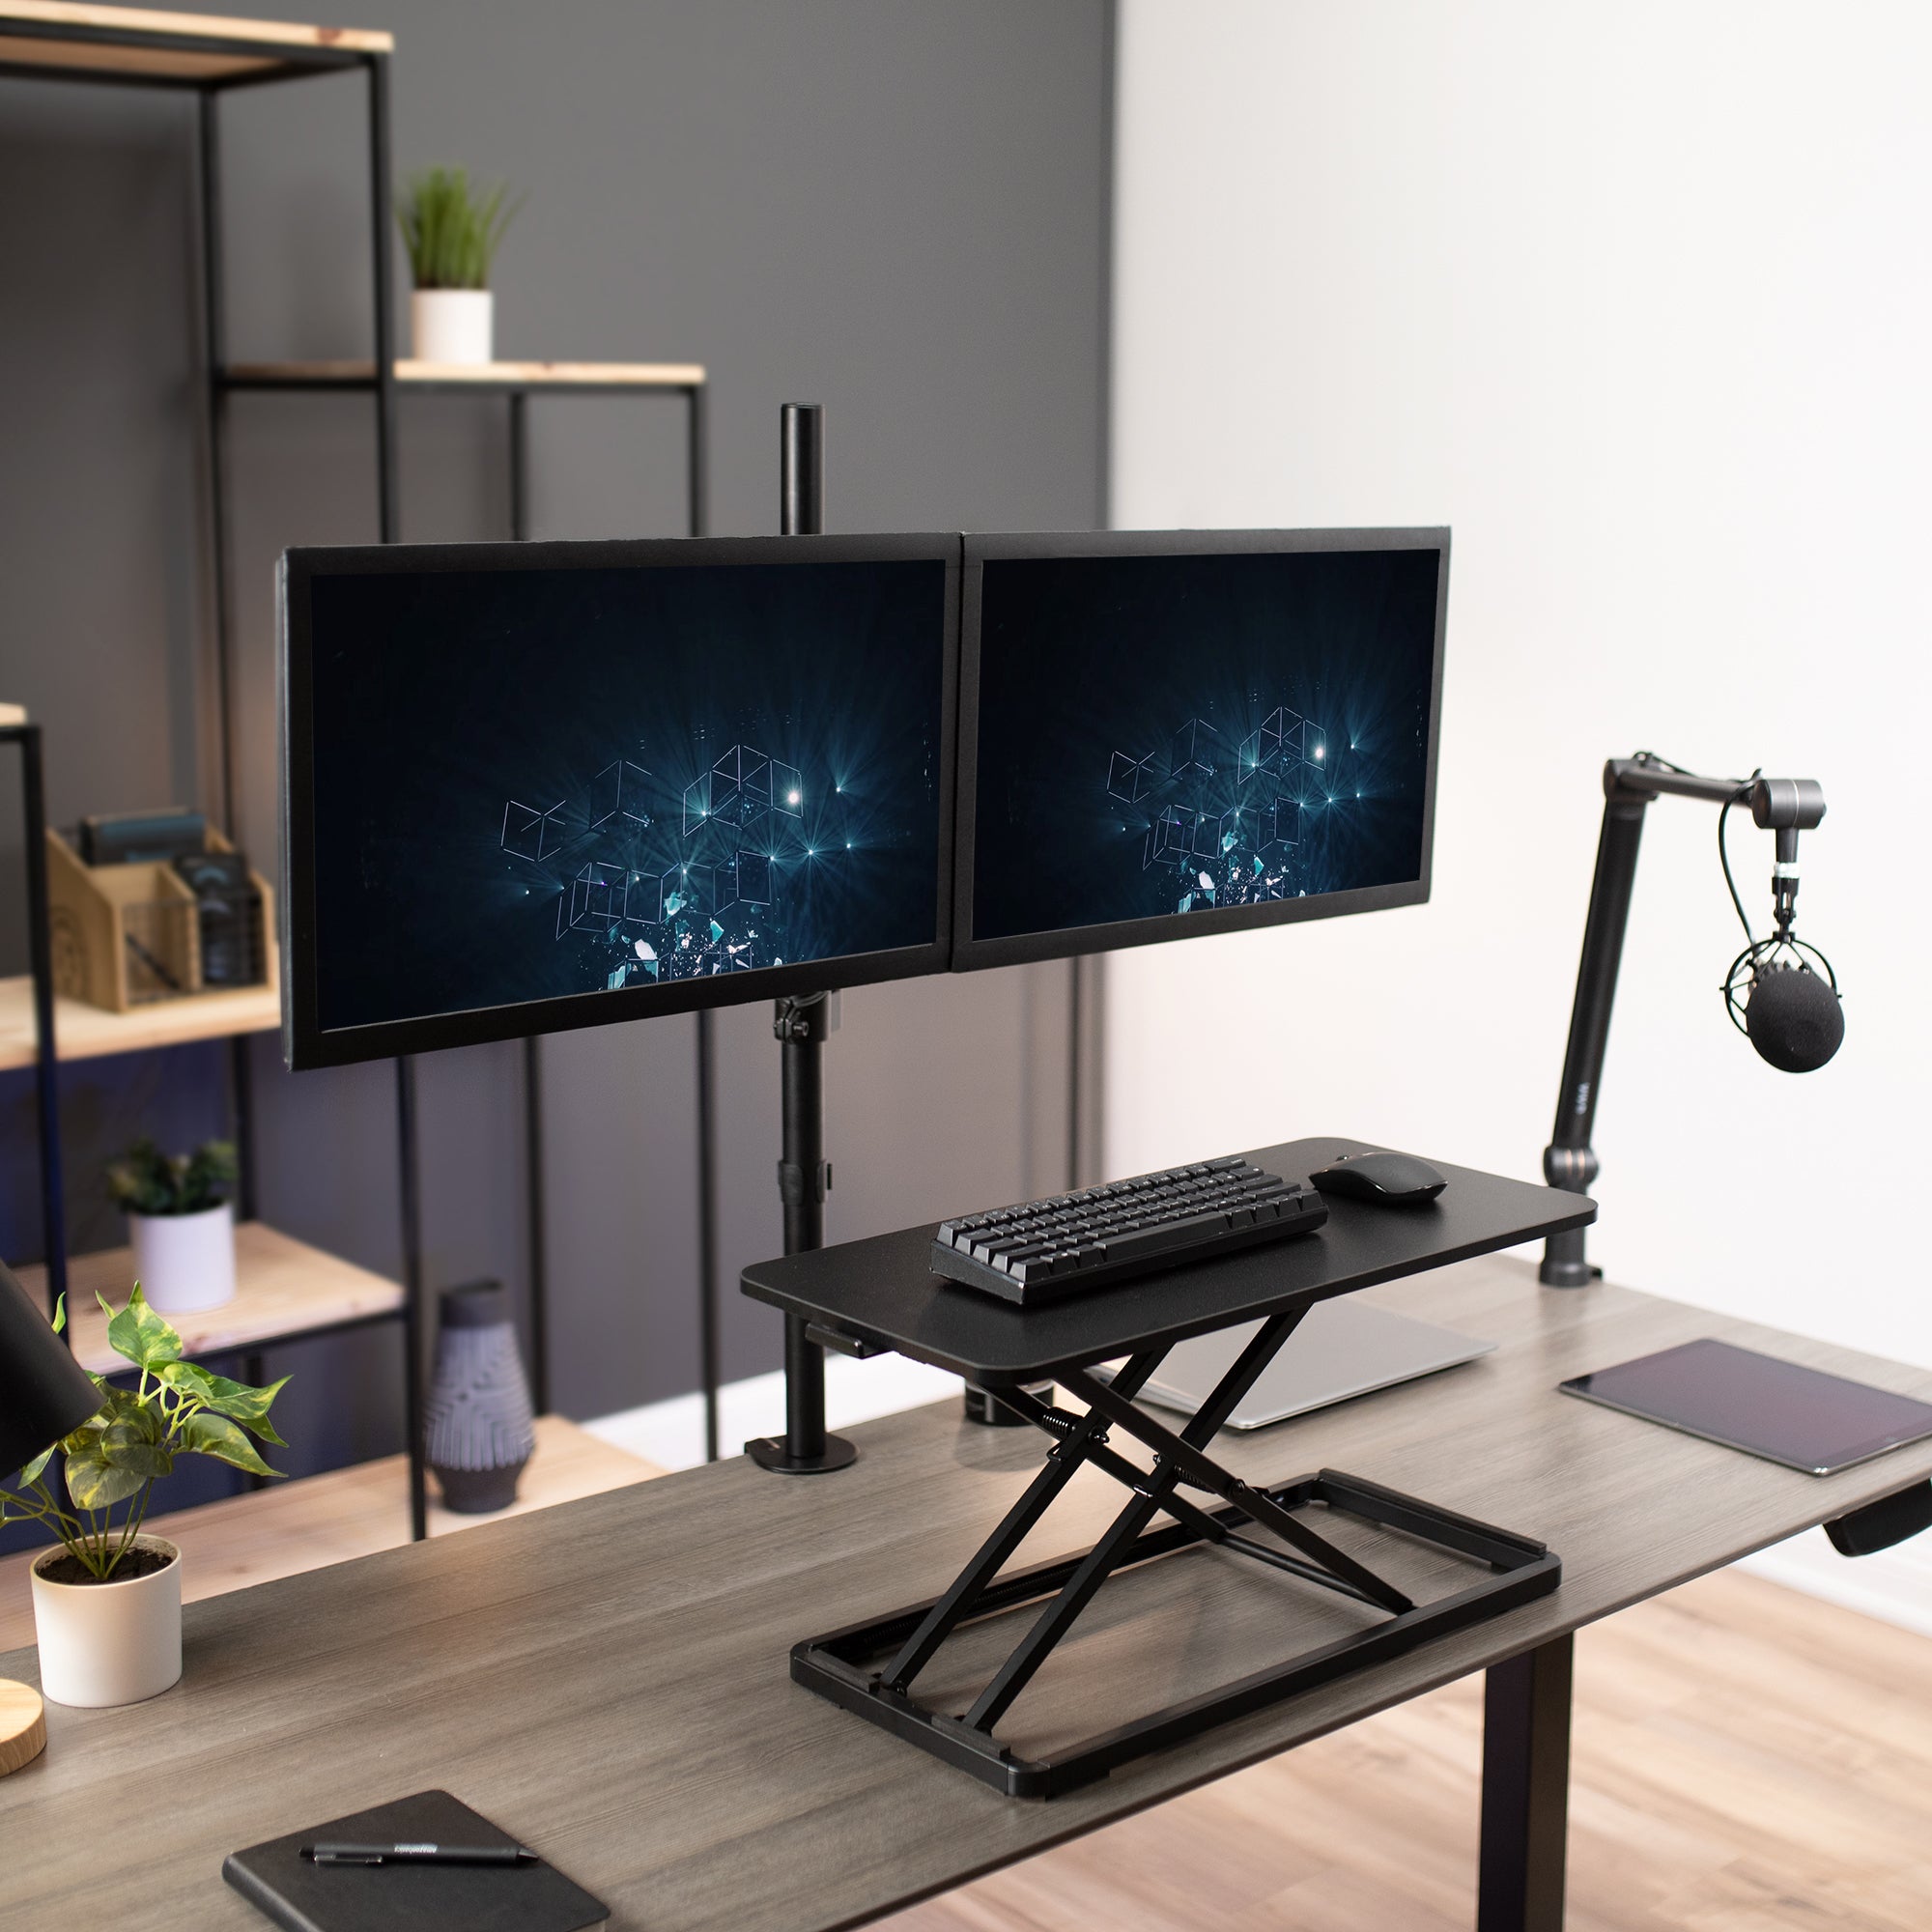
{"points": [[109, 1644], [452, 325], [185, 1262]]}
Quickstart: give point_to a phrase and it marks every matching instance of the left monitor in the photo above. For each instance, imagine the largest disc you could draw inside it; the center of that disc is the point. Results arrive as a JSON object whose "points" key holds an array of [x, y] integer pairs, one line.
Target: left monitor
{"points": [[535, 786]]}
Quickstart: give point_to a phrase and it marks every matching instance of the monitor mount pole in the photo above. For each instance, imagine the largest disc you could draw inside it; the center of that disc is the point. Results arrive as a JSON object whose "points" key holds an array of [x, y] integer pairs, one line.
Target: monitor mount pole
{"points": [[1785, 805], [801, 1024]]}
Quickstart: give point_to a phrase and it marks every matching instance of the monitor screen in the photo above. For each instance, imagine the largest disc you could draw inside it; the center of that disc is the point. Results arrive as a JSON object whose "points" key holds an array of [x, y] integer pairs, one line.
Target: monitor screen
{"points": [[541, 785], [1195, 731]]}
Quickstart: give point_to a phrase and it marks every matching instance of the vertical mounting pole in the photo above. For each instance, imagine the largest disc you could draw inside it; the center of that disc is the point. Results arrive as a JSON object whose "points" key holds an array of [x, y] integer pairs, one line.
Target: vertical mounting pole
{"points": [[519, 468], [801, 1024], [1076, 1019], [707, 1230], [696, 462], [802, 469], [697, 521]]}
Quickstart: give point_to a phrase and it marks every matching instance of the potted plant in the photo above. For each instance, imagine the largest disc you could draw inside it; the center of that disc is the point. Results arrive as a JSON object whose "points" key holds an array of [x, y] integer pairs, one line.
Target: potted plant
{"points": [[180, 1222], [107, 1597], [452, 231]]}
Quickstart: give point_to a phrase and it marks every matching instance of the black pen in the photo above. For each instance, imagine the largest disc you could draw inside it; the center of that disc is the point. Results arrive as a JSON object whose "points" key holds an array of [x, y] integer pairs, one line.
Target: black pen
{"points": [[421, 1855]]}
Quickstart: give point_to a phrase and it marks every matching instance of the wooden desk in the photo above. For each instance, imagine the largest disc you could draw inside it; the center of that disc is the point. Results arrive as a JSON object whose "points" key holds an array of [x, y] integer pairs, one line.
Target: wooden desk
{"points": [[607, 1679]]}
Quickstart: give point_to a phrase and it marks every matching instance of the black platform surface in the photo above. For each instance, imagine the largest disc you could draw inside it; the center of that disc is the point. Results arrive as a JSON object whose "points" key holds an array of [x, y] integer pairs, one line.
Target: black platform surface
{"points": [[883, 1293]]}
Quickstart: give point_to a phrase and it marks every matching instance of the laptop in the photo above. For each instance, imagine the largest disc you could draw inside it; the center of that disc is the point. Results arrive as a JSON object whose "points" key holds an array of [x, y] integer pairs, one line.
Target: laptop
{"points": [[1343, 1348]]}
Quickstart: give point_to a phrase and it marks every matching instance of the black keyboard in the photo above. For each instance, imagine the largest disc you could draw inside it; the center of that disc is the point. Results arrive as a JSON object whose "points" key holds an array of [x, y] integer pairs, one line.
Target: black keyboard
{"points": [[1043, 1250]]}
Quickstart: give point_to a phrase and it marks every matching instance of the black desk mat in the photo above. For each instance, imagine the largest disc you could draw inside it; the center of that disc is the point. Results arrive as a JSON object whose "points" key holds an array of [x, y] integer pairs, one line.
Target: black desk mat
{"points": [[883, 1291]]}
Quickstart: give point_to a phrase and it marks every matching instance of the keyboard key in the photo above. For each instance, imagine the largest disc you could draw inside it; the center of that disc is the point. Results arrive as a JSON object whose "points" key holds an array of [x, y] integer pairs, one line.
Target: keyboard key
{"points": [[1163, 1235]]}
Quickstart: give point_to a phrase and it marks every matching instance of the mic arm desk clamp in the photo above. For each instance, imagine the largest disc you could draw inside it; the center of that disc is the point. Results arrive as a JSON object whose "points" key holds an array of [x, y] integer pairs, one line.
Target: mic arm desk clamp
{"points": [[1784, 806]]}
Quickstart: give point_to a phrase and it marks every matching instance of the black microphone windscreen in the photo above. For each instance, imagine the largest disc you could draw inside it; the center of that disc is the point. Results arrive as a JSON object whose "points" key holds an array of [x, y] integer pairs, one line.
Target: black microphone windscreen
{"points": [[1794, 1018]]}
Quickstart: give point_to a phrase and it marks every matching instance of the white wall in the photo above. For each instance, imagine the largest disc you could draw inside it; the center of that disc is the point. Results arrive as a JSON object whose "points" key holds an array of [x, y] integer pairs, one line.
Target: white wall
{"points": [[1637, 300]]}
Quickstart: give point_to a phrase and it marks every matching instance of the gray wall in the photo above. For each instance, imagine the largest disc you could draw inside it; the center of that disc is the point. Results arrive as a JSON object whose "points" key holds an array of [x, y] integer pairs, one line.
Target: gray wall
{"points": [[899, 212]]}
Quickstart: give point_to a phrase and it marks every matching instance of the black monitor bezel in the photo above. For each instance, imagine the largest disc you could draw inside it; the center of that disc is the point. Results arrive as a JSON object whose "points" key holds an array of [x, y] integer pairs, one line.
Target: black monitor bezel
{"points": [[971, 953], [306, 1044]]}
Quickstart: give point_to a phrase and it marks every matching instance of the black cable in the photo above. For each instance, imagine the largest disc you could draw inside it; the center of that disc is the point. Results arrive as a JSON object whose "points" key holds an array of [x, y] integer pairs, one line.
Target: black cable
{"points": [[1738, 797]]}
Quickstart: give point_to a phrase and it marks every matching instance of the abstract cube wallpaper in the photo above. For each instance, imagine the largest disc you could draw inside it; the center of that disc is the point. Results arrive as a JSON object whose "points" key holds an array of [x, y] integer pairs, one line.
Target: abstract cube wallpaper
{"points": [[531, 783], [1164, 735]]}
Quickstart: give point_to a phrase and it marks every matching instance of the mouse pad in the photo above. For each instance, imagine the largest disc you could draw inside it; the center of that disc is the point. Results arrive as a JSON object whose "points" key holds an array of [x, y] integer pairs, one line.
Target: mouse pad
{"points": [[1780, 1410], [307, 1897]]}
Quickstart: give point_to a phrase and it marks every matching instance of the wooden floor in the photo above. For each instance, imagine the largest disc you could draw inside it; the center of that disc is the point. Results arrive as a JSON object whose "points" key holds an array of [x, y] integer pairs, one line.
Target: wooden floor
{"points": [[1745, 1759], [301, 1526]]}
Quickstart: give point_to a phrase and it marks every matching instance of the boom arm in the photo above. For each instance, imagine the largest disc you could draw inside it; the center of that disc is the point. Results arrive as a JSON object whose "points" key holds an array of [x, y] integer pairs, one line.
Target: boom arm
{"points": [[1785, 806]]}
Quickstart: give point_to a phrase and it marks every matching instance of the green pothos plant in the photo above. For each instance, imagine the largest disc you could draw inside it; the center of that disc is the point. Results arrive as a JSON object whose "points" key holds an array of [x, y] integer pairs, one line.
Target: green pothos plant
{"points": [[115, 1458]]}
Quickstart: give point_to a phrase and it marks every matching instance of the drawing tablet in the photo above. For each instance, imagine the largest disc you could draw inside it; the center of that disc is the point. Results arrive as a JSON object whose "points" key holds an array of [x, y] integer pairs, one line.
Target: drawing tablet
{"points": [[1801, 1417]]}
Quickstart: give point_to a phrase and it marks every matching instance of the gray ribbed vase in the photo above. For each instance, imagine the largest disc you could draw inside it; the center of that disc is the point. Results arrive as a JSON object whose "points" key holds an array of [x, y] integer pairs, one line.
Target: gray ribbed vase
{"points": [[477, 1424]]}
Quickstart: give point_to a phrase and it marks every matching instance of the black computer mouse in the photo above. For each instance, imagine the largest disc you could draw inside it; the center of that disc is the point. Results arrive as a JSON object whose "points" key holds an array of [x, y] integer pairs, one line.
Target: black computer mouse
{"points": [[1393, 1180]]}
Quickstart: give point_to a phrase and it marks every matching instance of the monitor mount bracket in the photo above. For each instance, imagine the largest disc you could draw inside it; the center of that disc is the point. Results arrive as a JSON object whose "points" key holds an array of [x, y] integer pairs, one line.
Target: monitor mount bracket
{"points": [[801, 1023], [1785, 807]]}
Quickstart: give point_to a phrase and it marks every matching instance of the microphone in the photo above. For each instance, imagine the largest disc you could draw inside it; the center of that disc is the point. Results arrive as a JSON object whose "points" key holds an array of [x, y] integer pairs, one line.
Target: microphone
{"points": [[1792, 1017], [1781, 992]]}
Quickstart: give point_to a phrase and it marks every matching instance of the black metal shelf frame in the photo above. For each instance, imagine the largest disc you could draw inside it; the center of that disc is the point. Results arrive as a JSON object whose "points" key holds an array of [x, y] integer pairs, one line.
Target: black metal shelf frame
{"points": [[278, 62]]}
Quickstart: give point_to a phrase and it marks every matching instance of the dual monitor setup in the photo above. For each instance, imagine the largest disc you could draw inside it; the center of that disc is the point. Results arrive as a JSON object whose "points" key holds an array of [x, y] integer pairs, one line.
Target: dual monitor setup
{"points": [[534, 786]]}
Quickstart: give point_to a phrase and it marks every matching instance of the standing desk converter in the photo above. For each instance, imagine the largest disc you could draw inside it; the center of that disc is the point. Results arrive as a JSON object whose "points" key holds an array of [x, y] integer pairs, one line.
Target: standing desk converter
{"points": [[1408, 1569]]}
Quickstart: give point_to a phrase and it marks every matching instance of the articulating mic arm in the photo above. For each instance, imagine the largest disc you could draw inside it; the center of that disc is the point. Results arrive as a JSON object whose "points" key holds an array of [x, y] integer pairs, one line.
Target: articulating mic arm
{"points": [[1784, 806]]}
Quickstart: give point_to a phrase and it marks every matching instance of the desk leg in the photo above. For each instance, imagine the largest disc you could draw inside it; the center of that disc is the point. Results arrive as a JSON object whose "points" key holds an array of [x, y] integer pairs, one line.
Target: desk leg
{"points": [[1526, 1791]]}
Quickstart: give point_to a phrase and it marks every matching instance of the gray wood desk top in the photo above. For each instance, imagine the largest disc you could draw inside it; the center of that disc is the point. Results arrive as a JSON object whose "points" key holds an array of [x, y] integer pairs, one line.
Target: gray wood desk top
{"points": [[607, 1679]]}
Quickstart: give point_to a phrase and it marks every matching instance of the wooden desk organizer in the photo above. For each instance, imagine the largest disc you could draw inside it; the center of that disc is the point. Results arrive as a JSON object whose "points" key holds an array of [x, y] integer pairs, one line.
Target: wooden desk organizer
{"points": [[127, 936]]}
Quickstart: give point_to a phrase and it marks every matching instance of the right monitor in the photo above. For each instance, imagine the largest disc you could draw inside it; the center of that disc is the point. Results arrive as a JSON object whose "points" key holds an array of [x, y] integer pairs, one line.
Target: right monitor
{"points": [[1180, 732]]}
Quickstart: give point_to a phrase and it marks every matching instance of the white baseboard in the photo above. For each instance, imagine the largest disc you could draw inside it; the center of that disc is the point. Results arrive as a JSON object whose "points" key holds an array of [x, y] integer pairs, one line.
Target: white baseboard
{"points": [[671, 1433], [1895, 1584]]}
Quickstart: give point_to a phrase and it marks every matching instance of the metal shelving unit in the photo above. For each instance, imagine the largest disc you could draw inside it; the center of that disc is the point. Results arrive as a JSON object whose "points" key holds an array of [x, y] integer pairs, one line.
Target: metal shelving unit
{"points": [[209, 55]]}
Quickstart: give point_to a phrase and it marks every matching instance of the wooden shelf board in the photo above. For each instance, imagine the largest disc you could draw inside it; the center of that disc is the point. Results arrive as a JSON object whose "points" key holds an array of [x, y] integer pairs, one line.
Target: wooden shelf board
{"points": [[307, 1524], [153, 64], [82, 1032], [510, 375], [283, 1286], [245, 47]]}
